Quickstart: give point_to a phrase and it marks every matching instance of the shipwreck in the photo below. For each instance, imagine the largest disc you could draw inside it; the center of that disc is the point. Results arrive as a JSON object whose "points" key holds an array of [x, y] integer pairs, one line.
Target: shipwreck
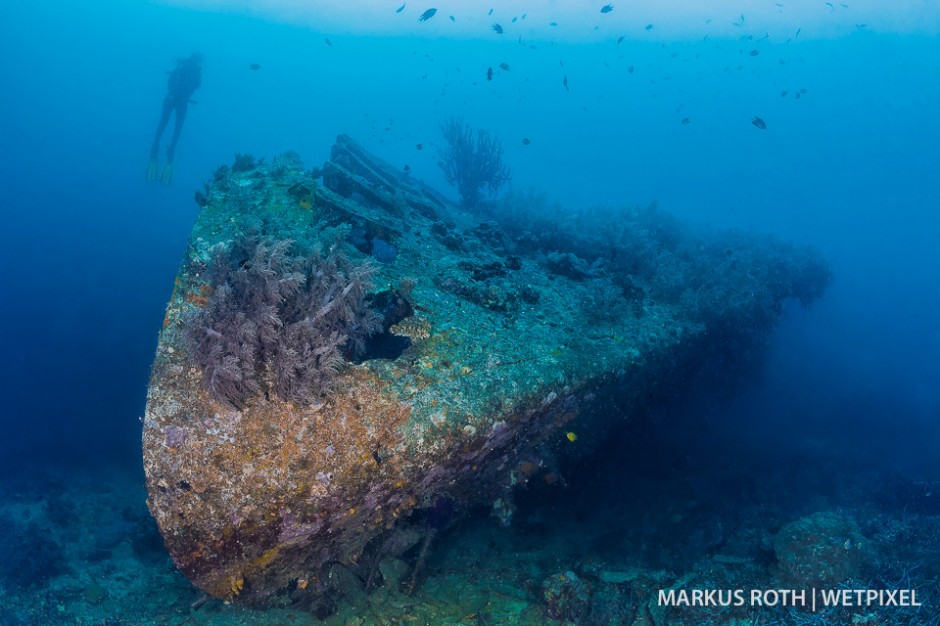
{"points": [[348, 360]]}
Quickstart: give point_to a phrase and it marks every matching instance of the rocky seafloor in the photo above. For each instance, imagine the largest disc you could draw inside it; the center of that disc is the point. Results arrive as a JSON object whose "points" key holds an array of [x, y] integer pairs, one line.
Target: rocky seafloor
{"points": [[81, 549]]}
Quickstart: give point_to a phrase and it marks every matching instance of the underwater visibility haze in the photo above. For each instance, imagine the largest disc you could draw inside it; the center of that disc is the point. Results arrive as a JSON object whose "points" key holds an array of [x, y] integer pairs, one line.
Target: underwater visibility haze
{"points": [[527, 312]]}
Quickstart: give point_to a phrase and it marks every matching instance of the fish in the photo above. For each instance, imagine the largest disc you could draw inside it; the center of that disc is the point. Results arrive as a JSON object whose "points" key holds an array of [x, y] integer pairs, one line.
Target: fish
{"points": [[254, 66], [328, 42], [427, 15], [685, 120], [570, 436], [400, 9], [797, 32], [754, 53], [607, 8], [783, 94], [419, 146], [553, 23], [526, 141], [761, 124], [496, 27], [489, 73], [630, 69], [452, 19], [489, 13], [514, 20], [565, 81], [648, 27], [504, 66], [407, 168], [620, 40]]}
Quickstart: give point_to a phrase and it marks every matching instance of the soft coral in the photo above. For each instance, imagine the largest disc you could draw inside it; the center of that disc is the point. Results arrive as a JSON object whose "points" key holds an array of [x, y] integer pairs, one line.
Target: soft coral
{"points": [[279, 320]]}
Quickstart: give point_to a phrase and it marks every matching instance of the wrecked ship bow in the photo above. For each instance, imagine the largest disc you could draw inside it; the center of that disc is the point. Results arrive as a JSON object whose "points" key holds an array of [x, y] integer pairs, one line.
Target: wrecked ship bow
{"points": [[488, 345]]}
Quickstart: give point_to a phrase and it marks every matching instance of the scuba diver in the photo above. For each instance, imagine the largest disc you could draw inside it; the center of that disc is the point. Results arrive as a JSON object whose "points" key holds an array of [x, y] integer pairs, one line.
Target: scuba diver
{"points": [[183, 81]]}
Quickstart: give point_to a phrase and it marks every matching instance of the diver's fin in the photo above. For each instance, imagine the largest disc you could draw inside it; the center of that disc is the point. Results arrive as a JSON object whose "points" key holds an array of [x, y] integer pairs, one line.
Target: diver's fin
{"points": [[152, 171], [167, 177]]}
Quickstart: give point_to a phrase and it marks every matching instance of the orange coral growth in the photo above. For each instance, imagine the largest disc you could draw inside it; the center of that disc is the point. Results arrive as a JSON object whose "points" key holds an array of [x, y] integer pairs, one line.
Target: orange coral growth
{"points": [[200, 295]]}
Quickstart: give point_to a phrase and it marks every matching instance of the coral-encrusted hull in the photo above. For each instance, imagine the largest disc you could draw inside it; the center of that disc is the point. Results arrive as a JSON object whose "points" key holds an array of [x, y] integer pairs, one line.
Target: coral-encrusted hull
{"points": [[288, 496]]}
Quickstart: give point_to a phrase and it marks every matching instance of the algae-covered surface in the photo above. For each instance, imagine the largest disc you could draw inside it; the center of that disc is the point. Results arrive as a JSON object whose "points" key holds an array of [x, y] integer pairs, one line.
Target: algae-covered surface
{"points": [[511, 335]]}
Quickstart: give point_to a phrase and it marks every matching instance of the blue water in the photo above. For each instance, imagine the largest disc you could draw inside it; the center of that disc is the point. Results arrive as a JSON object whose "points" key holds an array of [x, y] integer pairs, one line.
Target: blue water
{"points": [[90, 250]]}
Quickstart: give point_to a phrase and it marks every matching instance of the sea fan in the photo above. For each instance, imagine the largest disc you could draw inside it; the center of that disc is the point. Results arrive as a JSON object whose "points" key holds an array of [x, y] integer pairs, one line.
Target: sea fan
{"points": [[472, 163]]}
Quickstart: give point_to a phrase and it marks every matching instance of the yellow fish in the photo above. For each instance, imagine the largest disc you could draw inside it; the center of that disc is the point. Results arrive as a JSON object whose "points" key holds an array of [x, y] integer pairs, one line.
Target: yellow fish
{"points": [[571, 436]]}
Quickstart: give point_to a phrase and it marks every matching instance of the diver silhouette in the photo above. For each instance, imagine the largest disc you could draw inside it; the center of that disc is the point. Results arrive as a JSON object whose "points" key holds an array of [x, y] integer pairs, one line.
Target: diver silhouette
{"points": [[184, 80]]}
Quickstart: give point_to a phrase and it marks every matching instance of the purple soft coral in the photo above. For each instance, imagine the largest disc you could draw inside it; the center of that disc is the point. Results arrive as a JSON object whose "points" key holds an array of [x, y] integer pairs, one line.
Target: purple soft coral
{"points": [[279, 321]]}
